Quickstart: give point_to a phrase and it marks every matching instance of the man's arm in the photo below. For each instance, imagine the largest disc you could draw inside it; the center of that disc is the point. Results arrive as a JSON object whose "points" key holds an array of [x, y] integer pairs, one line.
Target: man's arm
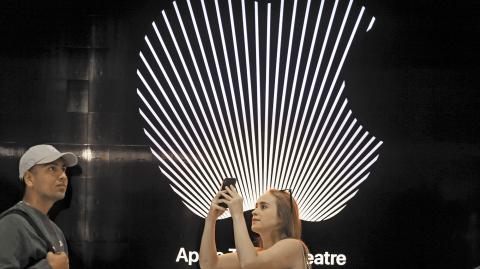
{"points": [[18, 246]]}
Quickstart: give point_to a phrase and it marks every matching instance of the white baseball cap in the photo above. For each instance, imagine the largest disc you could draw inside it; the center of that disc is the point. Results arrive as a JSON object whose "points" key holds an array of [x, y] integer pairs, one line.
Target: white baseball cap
{"points": [[41, 154]]}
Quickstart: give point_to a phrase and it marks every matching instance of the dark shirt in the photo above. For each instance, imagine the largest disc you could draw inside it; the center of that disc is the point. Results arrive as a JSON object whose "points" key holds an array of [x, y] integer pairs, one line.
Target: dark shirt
{"points": [[20, 244]]}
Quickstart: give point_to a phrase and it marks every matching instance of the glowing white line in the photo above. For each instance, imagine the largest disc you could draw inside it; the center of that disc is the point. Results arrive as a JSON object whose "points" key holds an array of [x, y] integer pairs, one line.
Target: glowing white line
{"points": [[173, 108], [288, 157], [329, 203], [327, 72], [326, 205], [323, 154], [306, 204], [216, 173], [220, 173], [191, 209], [331, 155], [251, 178], [334, 213], [370, 25], [222, 87], [199, 210], [194, 196], [166, 114], [279, 45], [207, 99], [282, 105], [176, 166], [335, 184], [227, 62], [307, 185], [179, 186], [298, 153], [322, 192], [301, 171], [214, 91], [346, 50], [337, 206], [198, 174], [259, 170], [267, 98], [324, 140], [281, 167], [200, 165]]}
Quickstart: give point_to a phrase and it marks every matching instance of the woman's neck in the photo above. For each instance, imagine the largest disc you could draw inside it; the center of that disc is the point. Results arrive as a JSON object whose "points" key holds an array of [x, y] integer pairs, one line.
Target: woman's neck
{"points": [[269, 240]]}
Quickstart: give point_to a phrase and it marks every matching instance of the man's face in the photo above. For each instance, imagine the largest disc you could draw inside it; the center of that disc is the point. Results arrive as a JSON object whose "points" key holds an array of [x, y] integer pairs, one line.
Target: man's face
{"points": [[48, 181]]}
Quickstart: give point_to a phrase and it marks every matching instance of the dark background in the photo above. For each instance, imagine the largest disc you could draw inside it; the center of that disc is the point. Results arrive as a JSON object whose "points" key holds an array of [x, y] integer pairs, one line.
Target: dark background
{"points": [[67, 77]]}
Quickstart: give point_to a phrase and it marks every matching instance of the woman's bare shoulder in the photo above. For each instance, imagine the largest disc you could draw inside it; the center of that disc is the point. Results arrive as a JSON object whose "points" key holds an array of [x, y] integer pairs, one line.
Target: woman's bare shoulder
{"points": [[291, 242]]}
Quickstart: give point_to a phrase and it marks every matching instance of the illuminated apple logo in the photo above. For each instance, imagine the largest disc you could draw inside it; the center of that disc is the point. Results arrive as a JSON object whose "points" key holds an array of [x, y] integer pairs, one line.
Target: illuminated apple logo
{"points": [[245, 89]]}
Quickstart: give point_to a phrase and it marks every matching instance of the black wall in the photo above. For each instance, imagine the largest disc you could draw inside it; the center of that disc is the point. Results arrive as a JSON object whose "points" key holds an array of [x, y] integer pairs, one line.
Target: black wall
{"points": [[67, 77]]}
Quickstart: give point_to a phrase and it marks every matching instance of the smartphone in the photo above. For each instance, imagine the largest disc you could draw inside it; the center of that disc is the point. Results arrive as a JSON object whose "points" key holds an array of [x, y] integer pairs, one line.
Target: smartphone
{"points": [[227, 182]]}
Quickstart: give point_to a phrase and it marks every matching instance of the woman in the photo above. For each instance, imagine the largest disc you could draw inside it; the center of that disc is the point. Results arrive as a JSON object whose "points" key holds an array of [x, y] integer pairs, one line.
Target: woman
{"points": [[275, 219]]}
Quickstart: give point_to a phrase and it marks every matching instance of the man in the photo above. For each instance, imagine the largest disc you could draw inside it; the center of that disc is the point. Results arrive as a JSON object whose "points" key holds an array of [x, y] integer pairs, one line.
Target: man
{"points": [[28, 238]]}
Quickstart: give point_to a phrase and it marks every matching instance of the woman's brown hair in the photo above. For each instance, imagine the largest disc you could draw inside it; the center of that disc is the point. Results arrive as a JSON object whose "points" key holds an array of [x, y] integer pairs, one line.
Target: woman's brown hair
{"points": [[291, 225]]}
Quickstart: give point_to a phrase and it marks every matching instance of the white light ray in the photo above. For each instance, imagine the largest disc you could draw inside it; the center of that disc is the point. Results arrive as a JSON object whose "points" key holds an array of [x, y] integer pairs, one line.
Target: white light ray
{"points": [[242, 163], [298, 153], [223, 167], [327, 72], [287, 166], [228, 160], [203, 194], [340, 143], [314, 152], [213, 174], [307, 186], [204, 173], [282, 105], [266, 174], [219, 171], [236, 163], [370, 25], [200, 164], [249, 166], [281, 166], [305, 205], [336, 178], [326, 158], [275, 90], [258, 167], [334, 213], [204, 163], [198, 174]]}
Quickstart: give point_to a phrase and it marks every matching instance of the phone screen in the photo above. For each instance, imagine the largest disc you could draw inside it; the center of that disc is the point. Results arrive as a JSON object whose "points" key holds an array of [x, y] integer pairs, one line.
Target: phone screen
{"points": [[227, 182]]}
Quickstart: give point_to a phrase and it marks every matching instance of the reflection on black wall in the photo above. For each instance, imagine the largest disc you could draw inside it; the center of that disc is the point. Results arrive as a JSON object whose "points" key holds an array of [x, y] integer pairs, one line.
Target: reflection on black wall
{"points": [[67, 77]]}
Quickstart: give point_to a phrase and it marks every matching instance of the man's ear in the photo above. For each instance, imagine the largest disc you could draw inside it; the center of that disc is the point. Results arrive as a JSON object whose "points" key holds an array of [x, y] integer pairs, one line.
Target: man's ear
{"points": [[28, 179]]}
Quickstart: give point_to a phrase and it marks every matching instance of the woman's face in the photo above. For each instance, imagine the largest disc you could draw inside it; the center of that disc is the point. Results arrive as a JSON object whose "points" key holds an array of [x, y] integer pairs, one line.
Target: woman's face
{"points": [[264, 216]]}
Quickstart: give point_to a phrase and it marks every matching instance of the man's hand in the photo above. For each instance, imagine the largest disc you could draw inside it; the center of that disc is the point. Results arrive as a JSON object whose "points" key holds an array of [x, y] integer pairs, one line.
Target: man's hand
{"points": [[58, 260]]}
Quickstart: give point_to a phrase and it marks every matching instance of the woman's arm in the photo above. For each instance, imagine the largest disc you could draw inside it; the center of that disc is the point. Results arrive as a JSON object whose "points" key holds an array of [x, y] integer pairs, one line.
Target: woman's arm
{"points": [[208, 248], [245, 249]]}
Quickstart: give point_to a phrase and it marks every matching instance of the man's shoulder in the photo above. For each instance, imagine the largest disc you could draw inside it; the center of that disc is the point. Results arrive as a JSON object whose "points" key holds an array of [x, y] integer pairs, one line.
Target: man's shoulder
{"points": [[13, 217]]}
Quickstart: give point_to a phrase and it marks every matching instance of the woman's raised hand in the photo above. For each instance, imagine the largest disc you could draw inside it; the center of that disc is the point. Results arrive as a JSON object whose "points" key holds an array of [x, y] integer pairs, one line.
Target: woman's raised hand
{"points": [[216, 210], [233, 200]]}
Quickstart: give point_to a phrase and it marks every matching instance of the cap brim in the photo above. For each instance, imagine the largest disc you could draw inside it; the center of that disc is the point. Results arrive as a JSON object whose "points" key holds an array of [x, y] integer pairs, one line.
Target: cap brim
{"points": [[68, 158]]}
